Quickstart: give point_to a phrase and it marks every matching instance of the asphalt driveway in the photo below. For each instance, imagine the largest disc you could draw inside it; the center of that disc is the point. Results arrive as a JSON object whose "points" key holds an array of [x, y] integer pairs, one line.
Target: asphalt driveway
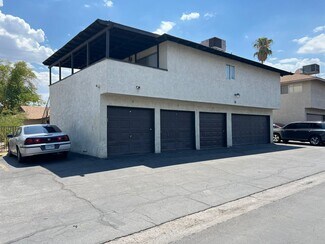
{"points": [[89, 200]]}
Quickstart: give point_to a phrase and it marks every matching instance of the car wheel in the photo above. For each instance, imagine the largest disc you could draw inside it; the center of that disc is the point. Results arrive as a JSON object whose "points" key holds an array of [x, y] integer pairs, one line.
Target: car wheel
{"points": [[276, 138], [19, 156], [314, 140]]}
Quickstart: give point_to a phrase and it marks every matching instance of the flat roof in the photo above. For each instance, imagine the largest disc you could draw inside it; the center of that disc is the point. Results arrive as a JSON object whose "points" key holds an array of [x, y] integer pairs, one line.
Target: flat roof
{"points": [[128, 40]]}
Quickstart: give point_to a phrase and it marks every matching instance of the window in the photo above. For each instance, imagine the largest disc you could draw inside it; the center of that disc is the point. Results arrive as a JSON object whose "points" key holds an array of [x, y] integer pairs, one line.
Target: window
{"points": [[41, 129], [295, 88], [230, 72], [284, 89], [150, 60]]}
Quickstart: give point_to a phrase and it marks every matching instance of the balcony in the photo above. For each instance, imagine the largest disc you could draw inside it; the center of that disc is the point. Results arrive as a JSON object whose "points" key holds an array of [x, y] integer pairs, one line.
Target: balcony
{"points": [[104, 40]]}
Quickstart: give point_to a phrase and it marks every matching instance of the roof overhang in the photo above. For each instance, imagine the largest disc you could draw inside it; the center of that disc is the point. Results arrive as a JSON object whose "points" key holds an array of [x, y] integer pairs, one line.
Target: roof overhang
{"points": [[126, 41]]}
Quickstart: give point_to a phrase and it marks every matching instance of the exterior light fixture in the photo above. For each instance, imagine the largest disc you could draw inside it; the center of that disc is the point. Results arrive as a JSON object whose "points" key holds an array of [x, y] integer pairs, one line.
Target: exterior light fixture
{"points": [[237, 95], [138, 87]]}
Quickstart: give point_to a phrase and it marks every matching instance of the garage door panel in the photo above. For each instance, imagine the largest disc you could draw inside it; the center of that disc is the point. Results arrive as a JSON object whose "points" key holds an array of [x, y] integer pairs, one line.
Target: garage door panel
{"points": [[177, 130], [129, 130], [212, 130], [250, 129]]}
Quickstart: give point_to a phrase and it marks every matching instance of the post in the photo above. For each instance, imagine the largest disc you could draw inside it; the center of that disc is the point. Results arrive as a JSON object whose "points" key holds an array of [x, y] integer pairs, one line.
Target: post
{"points": [[197, 131], [157, 131], [72, 71], [157, 55], [59, 70], [87, 54], [107, 43], [50, 75], [229, 130]]}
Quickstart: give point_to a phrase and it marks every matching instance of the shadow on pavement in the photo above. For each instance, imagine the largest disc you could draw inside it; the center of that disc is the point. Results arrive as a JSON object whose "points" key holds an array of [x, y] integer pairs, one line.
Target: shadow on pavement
{"points": [[77, 164]]}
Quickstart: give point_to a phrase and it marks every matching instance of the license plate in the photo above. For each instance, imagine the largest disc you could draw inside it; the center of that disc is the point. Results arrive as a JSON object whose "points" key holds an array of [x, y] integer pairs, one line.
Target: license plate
{"points": [[49, 147]]}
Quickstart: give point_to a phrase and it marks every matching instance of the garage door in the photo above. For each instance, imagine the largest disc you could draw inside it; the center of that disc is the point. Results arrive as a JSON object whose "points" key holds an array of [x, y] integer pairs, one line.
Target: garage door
{"points": [[250, 129], [177, 130], [315, 117], [129, 130], [212, 130]]}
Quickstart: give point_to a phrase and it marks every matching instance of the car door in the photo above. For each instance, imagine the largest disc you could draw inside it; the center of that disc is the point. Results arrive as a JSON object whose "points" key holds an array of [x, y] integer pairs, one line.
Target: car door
{"points": [[302, 131], [14, 141], [288, 132]]}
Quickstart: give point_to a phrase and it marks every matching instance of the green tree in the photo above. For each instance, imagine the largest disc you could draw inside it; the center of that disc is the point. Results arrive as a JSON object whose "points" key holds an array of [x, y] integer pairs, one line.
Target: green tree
{"points": [[263, 47], [16, 86]]}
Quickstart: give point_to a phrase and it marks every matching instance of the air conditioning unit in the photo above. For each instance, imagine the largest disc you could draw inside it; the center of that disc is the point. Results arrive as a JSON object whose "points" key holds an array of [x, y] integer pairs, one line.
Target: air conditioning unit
{"points": [[215, 43], [310, 69]]}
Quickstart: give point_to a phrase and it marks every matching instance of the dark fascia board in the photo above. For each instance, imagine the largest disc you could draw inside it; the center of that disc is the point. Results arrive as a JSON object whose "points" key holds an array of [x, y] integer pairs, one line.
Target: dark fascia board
{"points": [[82, 37], [166, 37]]}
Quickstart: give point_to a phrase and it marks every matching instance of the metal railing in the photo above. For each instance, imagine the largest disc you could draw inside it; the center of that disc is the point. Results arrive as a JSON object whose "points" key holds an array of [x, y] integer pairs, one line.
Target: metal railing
{"points": [[4, 131]]}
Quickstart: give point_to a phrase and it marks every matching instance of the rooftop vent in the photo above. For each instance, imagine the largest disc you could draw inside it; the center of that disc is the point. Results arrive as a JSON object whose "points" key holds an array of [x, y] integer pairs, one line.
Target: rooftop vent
{"points": [[310, 69], [215, 43]]}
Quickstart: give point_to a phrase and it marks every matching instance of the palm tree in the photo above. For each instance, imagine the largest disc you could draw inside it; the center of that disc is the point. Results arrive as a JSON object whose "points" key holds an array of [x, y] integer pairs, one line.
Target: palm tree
{"points": [[263, 45]]}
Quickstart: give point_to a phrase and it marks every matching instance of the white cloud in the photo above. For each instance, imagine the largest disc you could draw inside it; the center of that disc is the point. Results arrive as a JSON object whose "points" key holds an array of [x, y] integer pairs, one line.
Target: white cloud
{"points": [[1, 3], [165, 27], [190, 16], [86, 5], [302, 40], [108, 3], [313, 45], [292, 64], [18, 41], [209, 15], [319, 29]]}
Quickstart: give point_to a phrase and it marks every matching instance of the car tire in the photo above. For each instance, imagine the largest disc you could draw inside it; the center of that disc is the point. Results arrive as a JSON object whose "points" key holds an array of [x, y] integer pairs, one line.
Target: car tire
{"points": [[276, 138], [315, 140], [20, 158]]}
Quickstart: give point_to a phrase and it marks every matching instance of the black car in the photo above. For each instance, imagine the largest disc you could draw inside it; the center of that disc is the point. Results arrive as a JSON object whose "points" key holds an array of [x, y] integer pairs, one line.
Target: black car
{"points": [[314, 132]]}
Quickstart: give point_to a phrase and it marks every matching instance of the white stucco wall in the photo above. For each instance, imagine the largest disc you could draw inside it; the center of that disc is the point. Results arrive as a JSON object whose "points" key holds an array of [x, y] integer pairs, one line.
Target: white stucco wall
{"points": [[195, 76], [318, 95], [75, 108], [194, 81], [295, 106]]}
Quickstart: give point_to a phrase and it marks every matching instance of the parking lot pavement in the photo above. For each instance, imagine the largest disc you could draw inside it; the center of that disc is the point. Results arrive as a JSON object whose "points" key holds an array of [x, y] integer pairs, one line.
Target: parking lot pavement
{"points": [[296, 219], [88, 200]]}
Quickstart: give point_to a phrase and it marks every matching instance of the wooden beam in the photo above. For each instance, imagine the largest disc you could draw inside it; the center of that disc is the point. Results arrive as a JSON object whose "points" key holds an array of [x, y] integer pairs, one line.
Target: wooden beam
{"points": [[60, 71], [72, 64], [157, 55]]}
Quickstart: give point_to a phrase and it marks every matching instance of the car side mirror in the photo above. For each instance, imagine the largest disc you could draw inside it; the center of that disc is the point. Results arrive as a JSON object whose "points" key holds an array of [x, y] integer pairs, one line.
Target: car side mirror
{"points": [[10, 136]]}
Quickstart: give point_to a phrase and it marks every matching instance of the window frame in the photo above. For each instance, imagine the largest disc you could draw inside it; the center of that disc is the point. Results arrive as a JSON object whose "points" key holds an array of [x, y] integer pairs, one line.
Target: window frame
{"points": [[230, 72]]}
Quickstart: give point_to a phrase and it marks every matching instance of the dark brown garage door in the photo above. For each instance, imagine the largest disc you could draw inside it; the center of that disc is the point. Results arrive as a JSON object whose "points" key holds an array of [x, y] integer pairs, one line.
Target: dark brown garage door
{"points": [[212, 130], [177, 130], [129, 130], [250, 129]]}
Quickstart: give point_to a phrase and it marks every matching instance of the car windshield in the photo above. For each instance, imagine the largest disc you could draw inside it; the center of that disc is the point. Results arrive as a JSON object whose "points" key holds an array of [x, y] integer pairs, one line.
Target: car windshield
{"points": [[41, 129]]}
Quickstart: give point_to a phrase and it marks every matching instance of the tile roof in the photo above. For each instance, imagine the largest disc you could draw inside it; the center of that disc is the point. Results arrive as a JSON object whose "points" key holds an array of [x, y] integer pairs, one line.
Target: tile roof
{"points": [[33, 112], [299, 77]]}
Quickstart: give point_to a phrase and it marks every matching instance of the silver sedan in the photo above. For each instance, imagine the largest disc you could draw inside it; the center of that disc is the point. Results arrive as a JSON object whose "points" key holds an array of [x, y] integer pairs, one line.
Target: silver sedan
{"points": [[30, 140]]}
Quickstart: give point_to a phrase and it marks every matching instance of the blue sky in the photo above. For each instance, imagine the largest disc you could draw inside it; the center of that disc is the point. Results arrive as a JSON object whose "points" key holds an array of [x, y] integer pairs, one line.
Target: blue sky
{"points": [[32, 30]]}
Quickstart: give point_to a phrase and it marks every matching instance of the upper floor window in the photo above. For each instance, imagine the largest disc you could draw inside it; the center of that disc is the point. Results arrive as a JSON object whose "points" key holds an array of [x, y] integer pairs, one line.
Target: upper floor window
{"points": [[295, 88], [230, 72], [284, 89]]}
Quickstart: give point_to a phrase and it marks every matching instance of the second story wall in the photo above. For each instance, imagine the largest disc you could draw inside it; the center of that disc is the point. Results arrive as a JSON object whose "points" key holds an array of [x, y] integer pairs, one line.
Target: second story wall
{"points": [[194, 75], [318, 95]]}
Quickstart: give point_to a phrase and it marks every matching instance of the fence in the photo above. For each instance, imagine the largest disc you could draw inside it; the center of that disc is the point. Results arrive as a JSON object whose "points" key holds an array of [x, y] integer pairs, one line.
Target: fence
{"points": [[4, 131]]}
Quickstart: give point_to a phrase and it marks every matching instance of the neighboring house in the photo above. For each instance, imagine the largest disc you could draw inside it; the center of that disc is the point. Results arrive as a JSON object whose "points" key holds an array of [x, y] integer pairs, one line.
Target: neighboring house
{"points": [[34, 114], [302, 98], [131, 91]]}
